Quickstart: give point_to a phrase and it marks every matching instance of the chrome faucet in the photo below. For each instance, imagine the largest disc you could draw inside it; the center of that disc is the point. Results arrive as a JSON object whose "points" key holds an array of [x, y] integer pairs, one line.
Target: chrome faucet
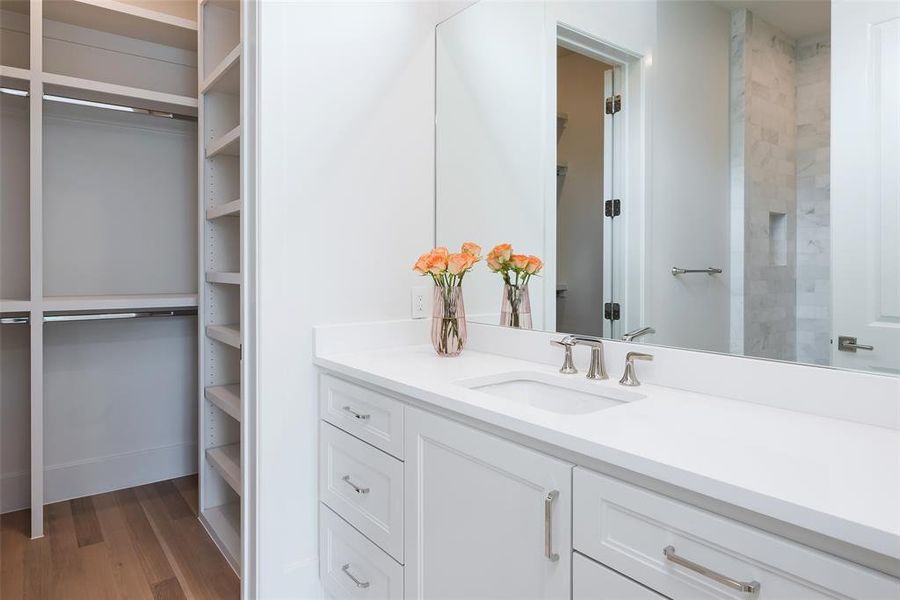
{"points": [[629, 378], [597, 370], [637, 333]]}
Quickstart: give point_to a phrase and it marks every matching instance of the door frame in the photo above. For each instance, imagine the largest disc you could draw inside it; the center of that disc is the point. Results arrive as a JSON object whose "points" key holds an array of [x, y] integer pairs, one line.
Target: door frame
{"points": [[625, 179]]}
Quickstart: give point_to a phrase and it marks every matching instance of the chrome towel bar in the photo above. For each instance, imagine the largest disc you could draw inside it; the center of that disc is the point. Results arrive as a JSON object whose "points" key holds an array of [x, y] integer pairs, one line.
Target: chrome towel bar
{"points": [[707, 270]]}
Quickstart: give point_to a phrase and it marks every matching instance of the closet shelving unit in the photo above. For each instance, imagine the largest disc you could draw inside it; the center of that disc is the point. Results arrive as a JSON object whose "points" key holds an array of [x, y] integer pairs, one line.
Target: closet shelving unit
{"points": [[81, 235], [99, 216], [225, 301]]}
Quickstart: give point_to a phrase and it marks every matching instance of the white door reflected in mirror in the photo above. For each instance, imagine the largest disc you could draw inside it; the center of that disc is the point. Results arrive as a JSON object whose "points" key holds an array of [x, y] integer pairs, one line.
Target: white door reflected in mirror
{"points": [[865, 159]]}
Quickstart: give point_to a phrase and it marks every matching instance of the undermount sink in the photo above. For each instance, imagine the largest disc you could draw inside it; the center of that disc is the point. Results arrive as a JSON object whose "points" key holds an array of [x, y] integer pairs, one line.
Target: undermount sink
{"points": [[562, 394]]}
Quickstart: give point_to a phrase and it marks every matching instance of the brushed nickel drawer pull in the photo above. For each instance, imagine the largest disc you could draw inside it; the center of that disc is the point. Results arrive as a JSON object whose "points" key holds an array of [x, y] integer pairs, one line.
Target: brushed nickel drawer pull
{"points": [[750, 587], [356, 415], [359, 584], [548, 526], [356, 488]]}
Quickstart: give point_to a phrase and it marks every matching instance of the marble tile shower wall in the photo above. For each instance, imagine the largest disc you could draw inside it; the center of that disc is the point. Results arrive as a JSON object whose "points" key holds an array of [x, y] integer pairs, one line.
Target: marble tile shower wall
{"points": [[768, 208], [813, 201]]}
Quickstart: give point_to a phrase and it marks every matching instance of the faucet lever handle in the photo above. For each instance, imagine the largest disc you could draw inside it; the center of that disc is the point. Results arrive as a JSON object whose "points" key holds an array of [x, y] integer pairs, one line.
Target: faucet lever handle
{"points": [[629, 377], [568, 367]]}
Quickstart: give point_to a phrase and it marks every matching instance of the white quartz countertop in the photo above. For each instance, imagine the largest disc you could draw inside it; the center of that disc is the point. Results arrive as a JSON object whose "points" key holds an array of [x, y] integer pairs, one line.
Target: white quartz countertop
{"points": [[834, 477]]}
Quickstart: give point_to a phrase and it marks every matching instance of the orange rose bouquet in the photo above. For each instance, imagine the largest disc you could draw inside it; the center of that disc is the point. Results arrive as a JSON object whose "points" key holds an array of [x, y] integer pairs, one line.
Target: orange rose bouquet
{"points": [[516, 271], [447, 270], [448, 325]]}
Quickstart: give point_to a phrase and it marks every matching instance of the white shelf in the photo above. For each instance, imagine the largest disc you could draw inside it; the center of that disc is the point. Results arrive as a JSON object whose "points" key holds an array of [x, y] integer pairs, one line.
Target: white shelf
{"points": [[127, 20], [119, 302], [9, 306], [228, 144], [224, 526], [14, 77], [223, 277], [230, 209], [111, 93], [226, 460], [227, 398], [227, 334], [226, 4], [226, 77]]}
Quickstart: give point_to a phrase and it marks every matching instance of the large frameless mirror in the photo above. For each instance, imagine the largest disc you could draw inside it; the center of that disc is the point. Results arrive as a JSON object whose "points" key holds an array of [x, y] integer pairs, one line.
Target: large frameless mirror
{"points": [[719, 175]]}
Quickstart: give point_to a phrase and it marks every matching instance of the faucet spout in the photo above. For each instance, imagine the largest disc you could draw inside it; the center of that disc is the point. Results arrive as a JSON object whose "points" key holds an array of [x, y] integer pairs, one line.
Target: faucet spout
{"points": [[637, 333], [597, 370]]}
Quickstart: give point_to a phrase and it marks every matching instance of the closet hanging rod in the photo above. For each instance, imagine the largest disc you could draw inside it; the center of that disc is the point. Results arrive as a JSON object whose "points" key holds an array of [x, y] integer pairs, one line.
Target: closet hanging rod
{"points": [[14, 320], [115, 316], [117, 107]]}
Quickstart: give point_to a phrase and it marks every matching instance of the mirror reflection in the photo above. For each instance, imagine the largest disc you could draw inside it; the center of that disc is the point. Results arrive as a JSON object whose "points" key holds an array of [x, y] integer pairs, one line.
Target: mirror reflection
{"points": [[718, 175]]}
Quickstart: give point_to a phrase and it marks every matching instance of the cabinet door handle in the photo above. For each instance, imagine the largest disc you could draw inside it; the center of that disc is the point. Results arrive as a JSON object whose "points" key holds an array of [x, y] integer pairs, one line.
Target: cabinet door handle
{"points": [[750, 587], [356, 488], [548, 526], [359, 583], [356, 415]]}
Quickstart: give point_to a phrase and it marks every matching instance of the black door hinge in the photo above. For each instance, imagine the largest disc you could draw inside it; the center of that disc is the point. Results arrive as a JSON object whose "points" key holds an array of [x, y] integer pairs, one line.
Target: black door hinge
{"points": [[613, 104], [613, 208], [612, 311]]}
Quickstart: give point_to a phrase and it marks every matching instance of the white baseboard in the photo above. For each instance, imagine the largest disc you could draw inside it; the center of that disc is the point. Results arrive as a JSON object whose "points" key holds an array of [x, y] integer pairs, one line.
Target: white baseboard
{"points": [[99, 475]]}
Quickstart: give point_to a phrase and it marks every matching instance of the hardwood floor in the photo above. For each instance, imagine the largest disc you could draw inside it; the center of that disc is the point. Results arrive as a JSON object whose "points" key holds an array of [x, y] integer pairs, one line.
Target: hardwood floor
{"points": [[141, 543]]}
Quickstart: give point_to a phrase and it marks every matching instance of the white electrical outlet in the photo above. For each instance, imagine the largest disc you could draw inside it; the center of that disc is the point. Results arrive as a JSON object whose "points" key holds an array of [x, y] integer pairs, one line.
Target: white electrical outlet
{"points": [[418, 302]]}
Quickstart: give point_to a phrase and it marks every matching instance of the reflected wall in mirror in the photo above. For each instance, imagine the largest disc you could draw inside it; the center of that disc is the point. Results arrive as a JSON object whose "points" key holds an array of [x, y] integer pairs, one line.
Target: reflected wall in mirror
{"points": [[719, 175]]}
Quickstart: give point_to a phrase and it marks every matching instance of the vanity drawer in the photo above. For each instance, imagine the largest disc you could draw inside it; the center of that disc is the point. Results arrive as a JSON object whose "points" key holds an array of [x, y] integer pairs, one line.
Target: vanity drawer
{"points": [[364, 486], [628, 529], [593, 581], [350, 566], [370, 416]]}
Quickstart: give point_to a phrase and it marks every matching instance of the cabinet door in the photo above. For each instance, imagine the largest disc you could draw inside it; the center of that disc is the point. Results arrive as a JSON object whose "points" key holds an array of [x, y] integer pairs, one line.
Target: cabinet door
{"points": [[482, 515]]}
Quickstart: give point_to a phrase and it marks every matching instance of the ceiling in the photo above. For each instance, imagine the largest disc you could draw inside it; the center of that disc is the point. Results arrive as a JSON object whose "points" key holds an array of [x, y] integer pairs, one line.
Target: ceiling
{"points": [[797, 18]]}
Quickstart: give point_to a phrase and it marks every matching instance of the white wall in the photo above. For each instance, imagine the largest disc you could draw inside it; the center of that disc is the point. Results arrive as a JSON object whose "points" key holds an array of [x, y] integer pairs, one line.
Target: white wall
{"points": [[14, 198], [688, 218], [490, 103], [119, 407], [345, 206]]}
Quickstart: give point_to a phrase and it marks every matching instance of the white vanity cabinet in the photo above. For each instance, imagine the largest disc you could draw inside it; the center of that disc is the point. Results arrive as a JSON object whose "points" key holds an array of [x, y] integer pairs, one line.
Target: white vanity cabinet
{"points": [[485, 518], [593, 581], [461, 513], [684, 552], [421, 506]]}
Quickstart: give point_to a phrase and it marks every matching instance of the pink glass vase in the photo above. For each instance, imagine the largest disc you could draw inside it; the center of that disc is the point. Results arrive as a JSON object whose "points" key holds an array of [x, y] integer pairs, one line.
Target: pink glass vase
{"points": [[448, 323], [515, 307]]}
